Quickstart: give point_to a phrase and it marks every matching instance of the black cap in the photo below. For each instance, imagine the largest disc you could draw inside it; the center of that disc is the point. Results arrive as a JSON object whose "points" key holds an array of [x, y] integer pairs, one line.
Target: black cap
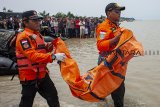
{"points": [[112, 6], [32, 14]]}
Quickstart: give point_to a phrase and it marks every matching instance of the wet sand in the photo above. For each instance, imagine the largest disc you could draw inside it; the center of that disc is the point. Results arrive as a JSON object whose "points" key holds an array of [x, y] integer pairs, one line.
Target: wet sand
{"points": [[142, 79]]}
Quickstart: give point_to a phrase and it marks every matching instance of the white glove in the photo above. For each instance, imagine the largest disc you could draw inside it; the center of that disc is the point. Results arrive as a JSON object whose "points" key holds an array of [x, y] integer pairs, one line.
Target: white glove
{"points": [[59, 56]]}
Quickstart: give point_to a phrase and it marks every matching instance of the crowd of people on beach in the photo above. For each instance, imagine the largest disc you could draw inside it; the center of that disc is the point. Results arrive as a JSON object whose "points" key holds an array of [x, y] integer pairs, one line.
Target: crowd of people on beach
{"points": [[77, 27]]}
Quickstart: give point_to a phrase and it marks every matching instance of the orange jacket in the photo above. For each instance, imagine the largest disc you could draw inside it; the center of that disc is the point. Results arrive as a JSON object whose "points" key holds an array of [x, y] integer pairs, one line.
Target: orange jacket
{"points": [[104, 32], [32, 56]]}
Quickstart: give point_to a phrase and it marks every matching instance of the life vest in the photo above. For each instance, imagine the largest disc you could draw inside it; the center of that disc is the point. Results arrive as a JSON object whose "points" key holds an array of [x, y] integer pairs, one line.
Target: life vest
{"points": [[38, 69], [102, 80]]}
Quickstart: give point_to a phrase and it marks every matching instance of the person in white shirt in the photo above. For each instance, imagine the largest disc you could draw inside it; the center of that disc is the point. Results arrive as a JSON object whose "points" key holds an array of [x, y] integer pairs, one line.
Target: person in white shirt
{"points": [[82, 28], [55, 24]]}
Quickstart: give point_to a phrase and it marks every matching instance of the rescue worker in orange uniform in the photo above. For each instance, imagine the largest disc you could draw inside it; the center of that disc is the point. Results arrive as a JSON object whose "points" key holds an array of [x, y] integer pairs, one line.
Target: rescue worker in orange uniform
{"points": [[108, 34], [33, 54]]}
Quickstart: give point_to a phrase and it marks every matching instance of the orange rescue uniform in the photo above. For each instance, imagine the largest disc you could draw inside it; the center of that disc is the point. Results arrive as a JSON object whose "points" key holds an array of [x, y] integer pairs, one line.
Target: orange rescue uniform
{"points": [[32, 56], [104, 32]]}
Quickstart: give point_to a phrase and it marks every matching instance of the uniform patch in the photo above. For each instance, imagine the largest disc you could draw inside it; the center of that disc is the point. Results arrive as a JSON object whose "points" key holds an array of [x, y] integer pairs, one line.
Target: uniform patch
{"points": [[102, 35], [34, 36], [25, 44], [113, 29]]}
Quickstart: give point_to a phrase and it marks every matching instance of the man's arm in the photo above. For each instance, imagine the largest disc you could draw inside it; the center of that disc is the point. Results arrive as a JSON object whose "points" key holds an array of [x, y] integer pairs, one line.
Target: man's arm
{"points": [[114, 41], [49, 47], [106, 39]]}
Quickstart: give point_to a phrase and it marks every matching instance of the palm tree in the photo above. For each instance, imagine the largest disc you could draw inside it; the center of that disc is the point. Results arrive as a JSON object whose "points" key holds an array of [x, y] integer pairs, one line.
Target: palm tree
{"points": [[69, 14], [4, 9], [44, 13], [60, 14]]}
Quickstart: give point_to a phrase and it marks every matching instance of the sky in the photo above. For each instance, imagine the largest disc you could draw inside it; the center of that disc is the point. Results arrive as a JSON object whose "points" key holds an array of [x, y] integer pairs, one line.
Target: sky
{"points": [[138, 9]]}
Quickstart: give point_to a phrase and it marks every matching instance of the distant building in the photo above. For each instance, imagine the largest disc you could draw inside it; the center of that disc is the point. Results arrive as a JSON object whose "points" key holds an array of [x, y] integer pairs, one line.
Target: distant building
{"points": [[4, 15]]}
